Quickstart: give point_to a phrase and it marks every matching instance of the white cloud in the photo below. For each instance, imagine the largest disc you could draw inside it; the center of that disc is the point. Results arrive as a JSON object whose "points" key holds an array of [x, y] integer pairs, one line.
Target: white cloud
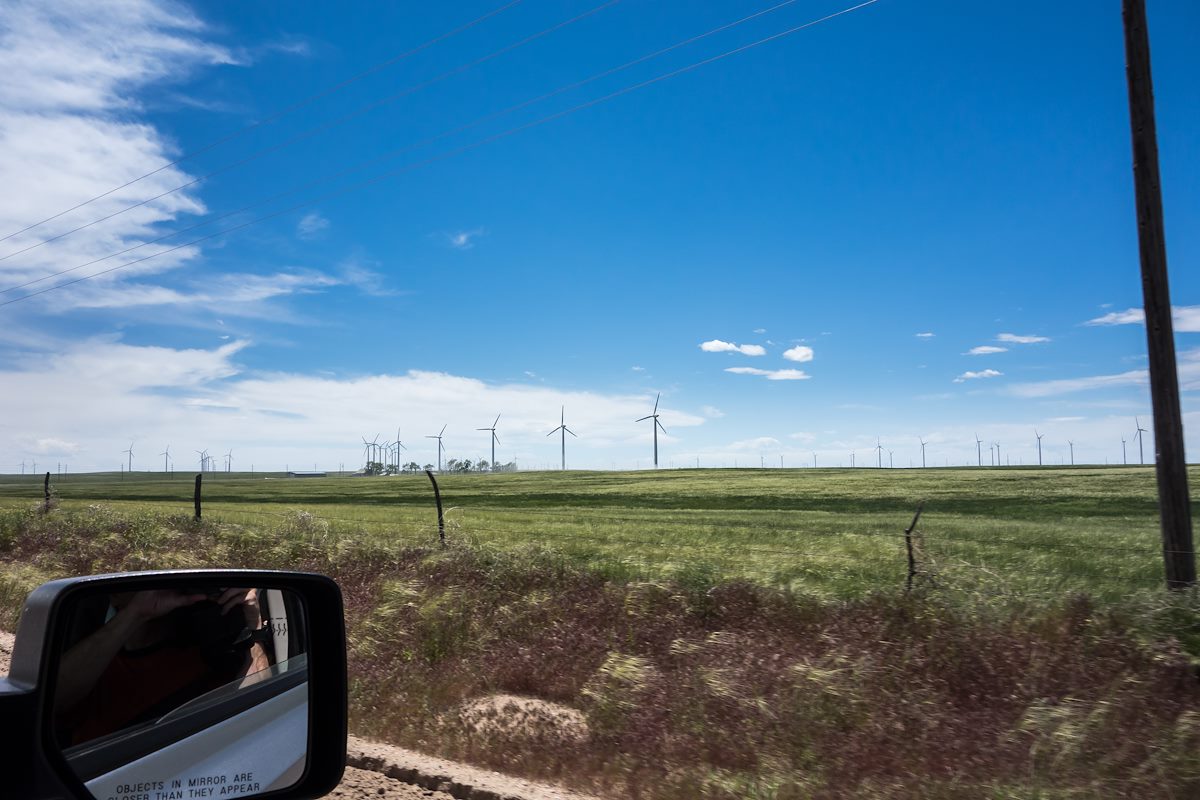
{"points": [[970, 376], [1186, 319], [311, 225], [756, 444], [712, 412], [96, 395], [1013, 338], [925, 335], [985, 350], [70, 132], [464, 240], [760, 331], [638, 369], [799, 353], [771, 374], [718, 346]]}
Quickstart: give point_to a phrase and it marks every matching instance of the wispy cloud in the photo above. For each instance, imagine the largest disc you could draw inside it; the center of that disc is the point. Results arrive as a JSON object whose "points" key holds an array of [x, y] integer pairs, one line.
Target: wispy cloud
{"points": [[799, 353], [464, 240], [72, 131], [925, 335], [718, 346], [771, 374], [1186, 319], [971, 376], [311, 225], [1013, 338], [756, 444], [1135, 377], [985, 350], [712, 412]]}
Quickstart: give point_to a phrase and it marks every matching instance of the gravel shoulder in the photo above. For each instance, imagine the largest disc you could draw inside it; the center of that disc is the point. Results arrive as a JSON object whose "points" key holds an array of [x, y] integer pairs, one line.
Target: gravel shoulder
{"points": [[383, 772]]}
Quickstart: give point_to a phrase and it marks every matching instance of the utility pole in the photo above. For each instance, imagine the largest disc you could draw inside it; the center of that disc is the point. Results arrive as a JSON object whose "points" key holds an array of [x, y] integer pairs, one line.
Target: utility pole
{"points": [[1179, 555]]}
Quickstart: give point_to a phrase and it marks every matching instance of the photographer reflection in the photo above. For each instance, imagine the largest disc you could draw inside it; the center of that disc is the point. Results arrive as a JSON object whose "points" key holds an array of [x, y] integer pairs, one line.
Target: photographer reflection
{"points": [[154, 651]]}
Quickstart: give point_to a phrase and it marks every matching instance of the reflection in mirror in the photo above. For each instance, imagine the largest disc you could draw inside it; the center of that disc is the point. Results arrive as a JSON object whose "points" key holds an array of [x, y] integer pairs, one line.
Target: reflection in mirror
{"points": [[184, 690]]}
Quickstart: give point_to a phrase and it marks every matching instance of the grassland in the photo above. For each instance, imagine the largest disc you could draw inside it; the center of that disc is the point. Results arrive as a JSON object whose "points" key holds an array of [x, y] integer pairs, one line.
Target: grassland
{"points": [[726, 634], [837, 533]]}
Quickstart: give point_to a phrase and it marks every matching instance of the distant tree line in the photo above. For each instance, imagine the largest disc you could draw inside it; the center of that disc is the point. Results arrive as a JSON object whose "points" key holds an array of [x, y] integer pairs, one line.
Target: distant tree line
{"points": [[452, 465]]}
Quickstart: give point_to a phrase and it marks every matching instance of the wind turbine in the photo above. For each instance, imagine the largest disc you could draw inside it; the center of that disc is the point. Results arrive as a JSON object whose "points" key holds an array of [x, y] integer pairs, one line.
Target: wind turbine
{"points": [[878, 454], [891, 464], [1124, 460], [654, 426], [166, 454], [978, 450], [130, 452], [1072, 446], [399, 446], [440, 448], [562, 427], [1140, 431], [923, 443], [229, 460], [1039, 438], [495, 439]]}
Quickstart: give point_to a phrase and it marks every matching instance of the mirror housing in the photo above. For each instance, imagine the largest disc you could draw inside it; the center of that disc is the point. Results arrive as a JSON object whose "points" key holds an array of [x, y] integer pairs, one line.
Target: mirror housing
{"points": [[34, 765]]}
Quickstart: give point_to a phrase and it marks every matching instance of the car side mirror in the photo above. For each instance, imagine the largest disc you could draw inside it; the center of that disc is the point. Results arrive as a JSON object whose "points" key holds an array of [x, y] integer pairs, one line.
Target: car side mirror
{"points": [[178, 685]]}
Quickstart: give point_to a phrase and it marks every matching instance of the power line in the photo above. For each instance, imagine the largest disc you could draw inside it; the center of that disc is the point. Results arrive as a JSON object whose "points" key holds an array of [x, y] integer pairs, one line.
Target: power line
{"points": [[310, 132], [278, 114], [424, 162]]}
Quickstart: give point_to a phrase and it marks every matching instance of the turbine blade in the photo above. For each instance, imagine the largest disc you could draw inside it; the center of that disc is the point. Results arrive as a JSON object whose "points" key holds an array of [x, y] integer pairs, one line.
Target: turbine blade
{"points": [[641, 419], [444, 428], [657, 397], [568, 430], [495, 420]]}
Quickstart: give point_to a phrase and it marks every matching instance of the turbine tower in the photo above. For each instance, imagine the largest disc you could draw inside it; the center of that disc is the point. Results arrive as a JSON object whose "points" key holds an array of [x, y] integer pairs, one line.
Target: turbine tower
{"points": [[654, 426], [878, 454], [166, 454], [1072, 446], [564, 430], [1124, 460], [495, 439], [399, 446], [440, 448], [229, 461], [978, 450], [1039, 438], [1140, 431], [923, 443], [130, 452]]}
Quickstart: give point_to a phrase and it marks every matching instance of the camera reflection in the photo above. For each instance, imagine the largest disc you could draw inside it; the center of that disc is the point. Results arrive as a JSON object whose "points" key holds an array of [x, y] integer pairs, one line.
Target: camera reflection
{"points": [[133, 657]]}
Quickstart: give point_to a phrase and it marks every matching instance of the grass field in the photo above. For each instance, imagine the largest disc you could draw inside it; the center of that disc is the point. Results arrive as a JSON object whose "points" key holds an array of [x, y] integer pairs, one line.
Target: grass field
{"points": [[837, 532], [725, 634]]}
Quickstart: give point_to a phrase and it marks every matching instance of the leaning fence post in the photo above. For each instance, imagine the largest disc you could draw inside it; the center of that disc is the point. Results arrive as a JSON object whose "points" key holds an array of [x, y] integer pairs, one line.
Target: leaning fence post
{"points": [[46, 493], [437, 496], [908, 543], [196, 495]]}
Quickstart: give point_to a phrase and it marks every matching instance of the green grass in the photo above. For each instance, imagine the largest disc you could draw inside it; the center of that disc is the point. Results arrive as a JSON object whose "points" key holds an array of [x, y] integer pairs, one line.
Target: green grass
{"points": [[1012, 531], [1039, 657]]}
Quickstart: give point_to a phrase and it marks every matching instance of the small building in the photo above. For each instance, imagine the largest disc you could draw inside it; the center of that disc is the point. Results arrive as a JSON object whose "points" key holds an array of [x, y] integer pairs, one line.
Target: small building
{"points": [[305, 474]]}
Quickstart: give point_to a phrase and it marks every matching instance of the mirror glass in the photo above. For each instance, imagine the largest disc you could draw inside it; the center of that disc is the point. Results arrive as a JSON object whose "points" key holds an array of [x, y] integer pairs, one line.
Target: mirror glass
{"points": [[183, 691]]}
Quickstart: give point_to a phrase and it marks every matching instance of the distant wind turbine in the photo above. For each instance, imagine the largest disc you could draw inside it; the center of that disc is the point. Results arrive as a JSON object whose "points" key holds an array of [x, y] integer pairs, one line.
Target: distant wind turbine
{"points": [[978, 451], [1072, 446], [229, 461], [1124, 460], [891, 464], [564, 430], [399, 446], [130, 452], [1039, 438], [878, 454], [440, 448], [166, 454], [923, 443], [1140, 431], [654, 426], [494, 439]]}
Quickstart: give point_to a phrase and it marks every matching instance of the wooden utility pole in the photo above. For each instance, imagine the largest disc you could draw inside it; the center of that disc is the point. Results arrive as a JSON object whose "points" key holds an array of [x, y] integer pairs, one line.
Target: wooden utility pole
{"points": [[1179, 556]]}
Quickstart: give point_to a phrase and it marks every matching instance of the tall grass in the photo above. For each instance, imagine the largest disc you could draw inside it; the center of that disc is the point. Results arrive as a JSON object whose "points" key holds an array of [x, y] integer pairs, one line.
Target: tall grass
{"points": [[696, 683]]}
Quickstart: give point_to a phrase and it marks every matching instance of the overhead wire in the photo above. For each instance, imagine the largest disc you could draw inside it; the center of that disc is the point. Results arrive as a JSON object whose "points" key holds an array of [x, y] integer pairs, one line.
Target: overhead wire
{"points": [[387, 156], [278, 114], [326, 126], [429, 160]]}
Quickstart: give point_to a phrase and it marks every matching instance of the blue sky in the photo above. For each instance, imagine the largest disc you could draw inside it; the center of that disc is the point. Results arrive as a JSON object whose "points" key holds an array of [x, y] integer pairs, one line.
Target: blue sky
{"points": [[913, 220]]}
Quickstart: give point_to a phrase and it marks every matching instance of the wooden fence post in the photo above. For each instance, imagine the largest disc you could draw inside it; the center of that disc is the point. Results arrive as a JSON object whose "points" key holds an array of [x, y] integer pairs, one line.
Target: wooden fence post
{"points": [[46, 494], [196, 495], [908, 543], [437, 496]]}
